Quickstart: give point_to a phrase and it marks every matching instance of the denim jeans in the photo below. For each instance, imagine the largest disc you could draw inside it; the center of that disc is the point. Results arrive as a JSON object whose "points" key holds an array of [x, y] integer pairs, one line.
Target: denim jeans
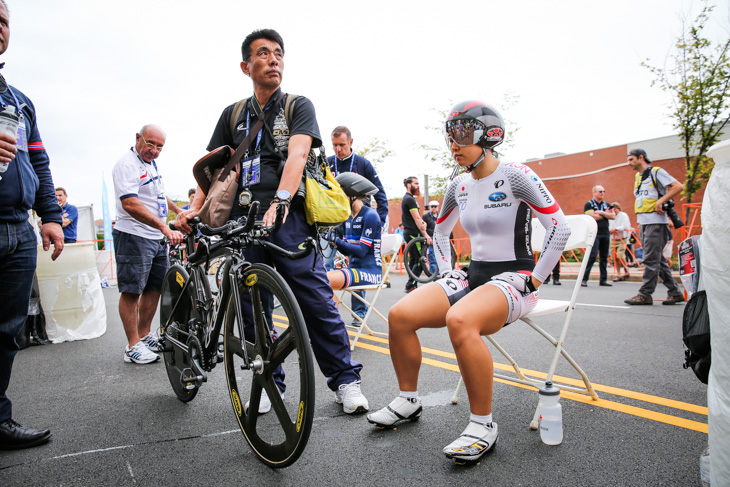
{"points": [[17, 266], [432, 266], [601, 246]]}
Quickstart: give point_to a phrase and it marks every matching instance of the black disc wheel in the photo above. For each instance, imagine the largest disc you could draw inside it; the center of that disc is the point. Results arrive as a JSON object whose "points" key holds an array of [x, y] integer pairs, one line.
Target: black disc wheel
{"points": [[177, 309], [277, 361]]}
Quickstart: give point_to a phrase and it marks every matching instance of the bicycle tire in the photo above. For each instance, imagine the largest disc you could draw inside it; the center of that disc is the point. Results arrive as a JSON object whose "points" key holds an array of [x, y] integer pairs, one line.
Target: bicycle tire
{"points": [[415, 258], [279, 437], [176, 360]]}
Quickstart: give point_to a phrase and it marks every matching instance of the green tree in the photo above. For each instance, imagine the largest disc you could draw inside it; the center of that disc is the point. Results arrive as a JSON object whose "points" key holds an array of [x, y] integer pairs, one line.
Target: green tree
{"points": [[699, 82], [440, 154], [375, 151]]}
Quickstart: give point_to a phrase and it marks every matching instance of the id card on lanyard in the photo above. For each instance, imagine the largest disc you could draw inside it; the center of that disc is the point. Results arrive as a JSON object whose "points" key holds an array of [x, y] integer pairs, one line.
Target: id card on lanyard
{"points": [[21, 137], [156, 182], [251, 166], [161, 199]]}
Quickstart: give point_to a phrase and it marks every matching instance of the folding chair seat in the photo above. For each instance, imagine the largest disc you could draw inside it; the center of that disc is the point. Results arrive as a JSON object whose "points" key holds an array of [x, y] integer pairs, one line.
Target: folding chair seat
{"points": [[389, 245], [583, 234]]}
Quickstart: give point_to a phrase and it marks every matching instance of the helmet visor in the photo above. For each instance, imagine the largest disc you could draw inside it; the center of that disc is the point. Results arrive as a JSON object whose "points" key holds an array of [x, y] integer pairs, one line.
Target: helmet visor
{"points": [[463, 132]]}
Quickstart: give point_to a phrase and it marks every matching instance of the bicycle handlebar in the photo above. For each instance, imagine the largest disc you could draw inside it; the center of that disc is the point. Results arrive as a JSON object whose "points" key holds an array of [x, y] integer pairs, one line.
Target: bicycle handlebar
{"points": [[251, 231]]}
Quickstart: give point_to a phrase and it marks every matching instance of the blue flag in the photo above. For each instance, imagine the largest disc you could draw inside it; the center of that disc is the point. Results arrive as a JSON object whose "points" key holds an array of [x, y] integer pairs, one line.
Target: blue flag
{"points": [[108, 241]]}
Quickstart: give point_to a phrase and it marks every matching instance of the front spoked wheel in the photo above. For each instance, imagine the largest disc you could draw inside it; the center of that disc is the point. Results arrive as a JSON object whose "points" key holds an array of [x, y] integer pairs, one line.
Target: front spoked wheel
{"points": [[416, 260], [279, 363]]}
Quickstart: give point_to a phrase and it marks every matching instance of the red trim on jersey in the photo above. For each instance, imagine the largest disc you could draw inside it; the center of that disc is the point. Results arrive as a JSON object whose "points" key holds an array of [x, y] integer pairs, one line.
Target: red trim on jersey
{"points": [[546, 211], [36, 146], [442, 218]]}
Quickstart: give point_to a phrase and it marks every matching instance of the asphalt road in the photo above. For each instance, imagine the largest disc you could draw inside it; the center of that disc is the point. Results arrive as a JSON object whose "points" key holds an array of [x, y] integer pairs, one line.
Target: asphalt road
{"points": [[115, 423]]}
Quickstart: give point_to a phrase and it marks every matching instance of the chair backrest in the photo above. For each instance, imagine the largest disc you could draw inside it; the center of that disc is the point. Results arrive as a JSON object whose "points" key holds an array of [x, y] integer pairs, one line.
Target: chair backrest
{"points": [[583, 232], [390, 243]]}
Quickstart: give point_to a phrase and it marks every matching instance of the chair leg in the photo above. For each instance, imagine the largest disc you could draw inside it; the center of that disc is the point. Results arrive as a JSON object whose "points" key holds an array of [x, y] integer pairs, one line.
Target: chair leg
{"points": [[455, 397]]}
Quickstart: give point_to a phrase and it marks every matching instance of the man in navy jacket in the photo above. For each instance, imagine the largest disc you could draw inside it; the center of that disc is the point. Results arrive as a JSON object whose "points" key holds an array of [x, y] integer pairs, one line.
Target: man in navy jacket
{"points": [[345, 160], [26, 183]]}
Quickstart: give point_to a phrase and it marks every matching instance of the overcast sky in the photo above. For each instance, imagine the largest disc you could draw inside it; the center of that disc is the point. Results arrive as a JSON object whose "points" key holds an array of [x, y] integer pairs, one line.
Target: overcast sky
{"points": [[98, 70]]}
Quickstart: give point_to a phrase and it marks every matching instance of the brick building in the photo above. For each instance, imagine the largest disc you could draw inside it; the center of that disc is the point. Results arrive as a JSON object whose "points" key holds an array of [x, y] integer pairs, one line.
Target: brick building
{"points": [[571, 177]]}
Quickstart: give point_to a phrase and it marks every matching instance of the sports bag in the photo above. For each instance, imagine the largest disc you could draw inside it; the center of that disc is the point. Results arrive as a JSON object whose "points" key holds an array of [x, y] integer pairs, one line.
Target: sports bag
{"points": [[216, 176], [220, 192], [325, 202], [696, 336]]}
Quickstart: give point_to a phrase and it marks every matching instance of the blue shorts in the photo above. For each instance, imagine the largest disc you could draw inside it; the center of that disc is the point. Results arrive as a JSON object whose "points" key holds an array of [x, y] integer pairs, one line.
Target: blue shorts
{"points": [[141, 263], [361, 277]]}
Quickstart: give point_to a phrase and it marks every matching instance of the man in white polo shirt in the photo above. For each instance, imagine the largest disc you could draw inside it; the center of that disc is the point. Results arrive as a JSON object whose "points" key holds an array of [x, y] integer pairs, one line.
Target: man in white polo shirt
{"points": [[138, 241]]}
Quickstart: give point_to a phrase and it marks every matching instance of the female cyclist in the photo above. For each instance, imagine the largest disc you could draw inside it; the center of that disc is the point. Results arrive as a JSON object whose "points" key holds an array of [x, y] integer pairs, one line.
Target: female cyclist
{"points": [[361, 241], [495, 202]]}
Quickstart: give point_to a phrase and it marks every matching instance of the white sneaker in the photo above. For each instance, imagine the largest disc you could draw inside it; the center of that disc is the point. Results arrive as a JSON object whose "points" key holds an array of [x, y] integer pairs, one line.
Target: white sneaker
{"points": [[400, 409], [140, 354], [475, 441], [151, 342], [351, 398], [264, 403]]}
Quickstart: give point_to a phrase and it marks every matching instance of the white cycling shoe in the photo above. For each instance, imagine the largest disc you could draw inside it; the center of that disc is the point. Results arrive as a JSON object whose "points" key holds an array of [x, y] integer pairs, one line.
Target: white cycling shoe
{"points": [[474, 442], [400, 409]]}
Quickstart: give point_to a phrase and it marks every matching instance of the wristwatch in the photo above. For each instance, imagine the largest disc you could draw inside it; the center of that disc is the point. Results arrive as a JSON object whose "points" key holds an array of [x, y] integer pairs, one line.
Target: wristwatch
{"points": [[283, 196]]}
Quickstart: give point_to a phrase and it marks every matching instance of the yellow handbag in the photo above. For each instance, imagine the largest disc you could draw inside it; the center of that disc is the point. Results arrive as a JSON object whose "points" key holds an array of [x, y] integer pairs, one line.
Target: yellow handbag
{"points": [[325, 203]]}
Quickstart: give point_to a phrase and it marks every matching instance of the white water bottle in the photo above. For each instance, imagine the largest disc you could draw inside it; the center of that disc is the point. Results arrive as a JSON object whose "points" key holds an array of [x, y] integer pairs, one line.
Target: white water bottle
{"points": [[551, 415], [8, 125]]}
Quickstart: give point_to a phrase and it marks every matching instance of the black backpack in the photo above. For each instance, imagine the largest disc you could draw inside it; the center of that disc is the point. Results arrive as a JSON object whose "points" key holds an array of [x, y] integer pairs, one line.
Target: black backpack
{"points": [[696, 336]]}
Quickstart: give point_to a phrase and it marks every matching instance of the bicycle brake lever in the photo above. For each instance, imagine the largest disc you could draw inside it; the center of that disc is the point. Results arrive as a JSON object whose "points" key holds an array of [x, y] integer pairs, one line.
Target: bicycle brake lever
{"points": [[279, 218], [251, 219]]}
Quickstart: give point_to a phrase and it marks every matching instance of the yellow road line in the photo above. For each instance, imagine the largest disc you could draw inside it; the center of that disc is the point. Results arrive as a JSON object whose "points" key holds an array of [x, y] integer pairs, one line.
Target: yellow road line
{"points": [[602, 403]]}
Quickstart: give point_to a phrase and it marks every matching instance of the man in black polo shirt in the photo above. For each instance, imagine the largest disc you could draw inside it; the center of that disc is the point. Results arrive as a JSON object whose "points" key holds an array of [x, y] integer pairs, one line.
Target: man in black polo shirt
{"points": [[413, 224], [602, 212], [272, 181]]}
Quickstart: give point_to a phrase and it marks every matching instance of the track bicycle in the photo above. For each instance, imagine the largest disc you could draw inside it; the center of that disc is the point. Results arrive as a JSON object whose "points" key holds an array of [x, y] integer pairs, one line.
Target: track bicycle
{"points": [[415, 258], [246, 317]]}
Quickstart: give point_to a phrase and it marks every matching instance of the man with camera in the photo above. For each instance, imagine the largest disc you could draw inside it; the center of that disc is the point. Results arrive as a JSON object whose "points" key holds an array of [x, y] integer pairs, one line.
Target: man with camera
{"points": [[654, 189]]}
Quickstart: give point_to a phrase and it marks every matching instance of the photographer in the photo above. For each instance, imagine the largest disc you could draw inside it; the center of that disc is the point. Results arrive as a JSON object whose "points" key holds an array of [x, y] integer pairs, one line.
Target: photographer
{"points": [[654, 189]]}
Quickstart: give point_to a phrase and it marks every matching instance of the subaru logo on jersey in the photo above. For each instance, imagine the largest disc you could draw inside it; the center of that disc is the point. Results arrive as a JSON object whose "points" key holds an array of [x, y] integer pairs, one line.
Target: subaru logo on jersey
{"points": [[497, 196], [534, 178]]}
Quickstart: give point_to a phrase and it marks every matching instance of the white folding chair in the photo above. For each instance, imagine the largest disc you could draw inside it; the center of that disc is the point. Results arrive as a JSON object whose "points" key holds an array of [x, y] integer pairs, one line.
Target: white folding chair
{"points": [[390, 243], [583, 234]]}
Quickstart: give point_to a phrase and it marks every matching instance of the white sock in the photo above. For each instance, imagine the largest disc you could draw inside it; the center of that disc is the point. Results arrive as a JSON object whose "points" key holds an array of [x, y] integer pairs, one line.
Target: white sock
{"points": [[485, 420], [412, 396]]}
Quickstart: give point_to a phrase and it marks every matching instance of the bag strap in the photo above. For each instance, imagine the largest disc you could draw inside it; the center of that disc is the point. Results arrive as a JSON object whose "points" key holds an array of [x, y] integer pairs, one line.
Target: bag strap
{"points": [[291, 99], [655, 181], [237, 109], [244, 145]]}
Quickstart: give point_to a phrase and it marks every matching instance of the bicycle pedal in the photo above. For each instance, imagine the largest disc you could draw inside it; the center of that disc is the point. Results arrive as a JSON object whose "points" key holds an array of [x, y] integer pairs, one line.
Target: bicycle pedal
{"points": [[189, 380]]}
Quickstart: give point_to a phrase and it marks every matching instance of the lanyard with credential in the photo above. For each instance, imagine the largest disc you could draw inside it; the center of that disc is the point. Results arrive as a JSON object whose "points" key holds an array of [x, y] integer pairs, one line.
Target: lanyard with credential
{"points": [[156, 179], [20, 136], [352, 163]]}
